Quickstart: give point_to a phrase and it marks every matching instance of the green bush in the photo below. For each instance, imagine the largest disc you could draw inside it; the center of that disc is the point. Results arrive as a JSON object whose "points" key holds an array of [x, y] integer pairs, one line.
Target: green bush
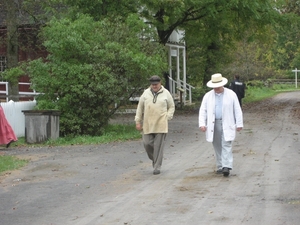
{"points": [[198, 93], [91, 67], [255, 83]]}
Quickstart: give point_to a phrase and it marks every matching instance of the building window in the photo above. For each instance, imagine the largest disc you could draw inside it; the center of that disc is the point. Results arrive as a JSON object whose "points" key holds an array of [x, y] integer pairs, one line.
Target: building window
{"points": [[2, 63]]}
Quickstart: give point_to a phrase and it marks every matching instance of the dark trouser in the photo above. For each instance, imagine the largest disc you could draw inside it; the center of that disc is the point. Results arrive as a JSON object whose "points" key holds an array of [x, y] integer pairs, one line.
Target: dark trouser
{"points": [[154, 146], [240, 101]]}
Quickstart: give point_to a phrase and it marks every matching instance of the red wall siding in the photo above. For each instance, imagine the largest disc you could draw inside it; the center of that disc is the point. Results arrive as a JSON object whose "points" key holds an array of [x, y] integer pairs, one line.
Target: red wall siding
{"points": [[30, 48]]}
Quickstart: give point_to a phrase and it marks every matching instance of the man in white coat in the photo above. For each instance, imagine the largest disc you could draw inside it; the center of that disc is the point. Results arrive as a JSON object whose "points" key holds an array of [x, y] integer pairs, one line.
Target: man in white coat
{"points": [[220, 116]]}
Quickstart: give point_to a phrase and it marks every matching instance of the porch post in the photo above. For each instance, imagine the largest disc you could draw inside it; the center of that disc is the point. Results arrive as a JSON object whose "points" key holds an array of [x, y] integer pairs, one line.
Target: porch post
{"points": [[184, 73]]}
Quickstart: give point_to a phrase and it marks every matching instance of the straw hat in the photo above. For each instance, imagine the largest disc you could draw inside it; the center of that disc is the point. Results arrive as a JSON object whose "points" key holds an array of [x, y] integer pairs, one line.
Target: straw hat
{"points": [[217, 81]]}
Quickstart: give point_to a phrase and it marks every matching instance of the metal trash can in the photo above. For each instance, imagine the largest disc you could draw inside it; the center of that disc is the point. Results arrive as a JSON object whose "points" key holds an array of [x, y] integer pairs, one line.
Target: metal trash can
{"points": [[41, 125]]}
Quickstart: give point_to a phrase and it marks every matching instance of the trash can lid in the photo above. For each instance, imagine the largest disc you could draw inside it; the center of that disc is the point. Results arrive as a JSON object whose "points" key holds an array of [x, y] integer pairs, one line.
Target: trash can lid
{"points": [[43, 112]]}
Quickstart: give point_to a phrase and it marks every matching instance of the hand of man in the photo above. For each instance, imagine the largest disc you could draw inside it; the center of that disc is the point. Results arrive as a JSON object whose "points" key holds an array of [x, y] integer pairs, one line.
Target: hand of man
{"points": [[138, 126], [203, 129], [239, 128]]}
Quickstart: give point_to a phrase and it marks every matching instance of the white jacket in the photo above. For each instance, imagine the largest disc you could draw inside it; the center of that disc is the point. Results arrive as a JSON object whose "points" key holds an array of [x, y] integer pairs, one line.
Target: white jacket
{"points": [[232, 116]]}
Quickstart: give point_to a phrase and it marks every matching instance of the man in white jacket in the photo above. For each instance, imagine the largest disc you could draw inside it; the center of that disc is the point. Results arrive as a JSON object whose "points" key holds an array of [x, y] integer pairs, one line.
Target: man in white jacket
{"points": [[220, 116]]}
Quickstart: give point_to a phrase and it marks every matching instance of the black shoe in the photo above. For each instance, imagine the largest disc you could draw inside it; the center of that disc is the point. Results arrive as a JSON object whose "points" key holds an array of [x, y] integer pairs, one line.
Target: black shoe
{"points": [[9, 144], [219, 171], [226, 172], [155, 172]]}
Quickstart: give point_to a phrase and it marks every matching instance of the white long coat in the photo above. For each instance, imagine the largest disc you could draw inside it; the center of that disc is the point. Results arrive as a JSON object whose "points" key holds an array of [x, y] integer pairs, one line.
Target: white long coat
{"points": [[232, 116]]}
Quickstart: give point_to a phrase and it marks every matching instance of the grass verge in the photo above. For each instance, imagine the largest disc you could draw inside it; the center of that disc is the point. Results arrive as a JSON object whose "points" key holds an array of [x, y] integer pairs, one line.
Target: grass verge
{"points": [[254, 94], [8, 162], [112, 133]]}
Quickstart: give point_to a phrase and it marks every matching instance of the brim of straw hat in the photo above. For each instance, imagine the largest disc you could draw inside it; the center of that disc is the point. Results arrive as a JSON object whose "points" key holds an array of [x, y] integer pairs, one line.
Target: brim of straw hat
{"points": [[210, 84]]}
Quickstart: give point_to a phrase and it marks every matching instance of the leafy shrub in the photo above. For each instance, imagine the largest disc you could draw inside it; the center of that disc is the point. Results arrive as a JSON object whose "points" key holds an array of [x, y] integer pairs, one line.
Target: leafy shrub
{"points": [[91, 67], [255, 83], [198, 93]]}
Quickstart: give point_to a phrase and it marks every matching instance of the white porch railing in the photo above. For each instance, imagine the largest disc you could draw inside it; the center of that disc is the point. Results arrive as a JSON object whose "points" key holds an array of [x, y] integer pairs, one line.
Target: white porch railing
{"points": [[28, 94], [178, 86], [4, 93]]}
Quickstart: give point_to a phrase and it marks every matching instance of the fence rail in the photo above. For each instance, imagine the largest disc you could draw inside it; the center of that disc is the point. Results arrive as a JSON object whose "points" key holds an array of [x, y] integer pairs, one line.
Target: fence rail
{"points": [[28, 95], [284, 81]]}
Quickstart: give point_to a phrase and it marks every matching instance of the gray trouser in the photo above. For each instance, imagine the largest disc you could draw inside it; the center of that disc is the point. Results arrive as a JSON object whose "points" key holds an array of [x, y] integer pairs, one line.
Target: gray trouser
{"points": [[154, 146], [223, 149]]}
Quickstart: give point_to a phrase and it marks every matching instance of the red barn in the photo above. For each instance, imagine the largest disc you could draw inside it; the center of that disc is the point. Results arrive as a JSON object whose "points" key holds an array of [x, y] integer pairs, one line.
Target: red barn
{"points": [[29, 48]]}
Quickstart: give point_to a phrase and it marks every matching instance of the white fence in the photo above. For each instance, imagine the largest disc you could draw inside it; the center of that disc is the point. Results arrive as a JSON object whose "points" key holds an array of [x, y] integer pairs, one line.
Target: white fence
{"points": [[15, 116], [32, 93]]}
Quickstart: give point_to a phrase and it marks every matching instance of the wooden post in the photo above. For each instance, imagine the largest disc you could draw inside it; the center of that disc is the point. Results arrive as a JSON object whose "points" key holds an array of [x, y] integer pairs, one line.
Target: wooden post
{"points": [[296, 76]]}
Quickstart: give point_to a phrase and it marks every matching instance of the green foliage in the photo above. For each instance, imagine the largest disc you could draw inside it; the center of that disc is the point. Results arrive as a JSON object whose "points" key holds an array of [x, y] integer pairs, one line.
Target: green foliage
{"points": [[198, 93], [167, 15], [90, 67], [211, 27], [100, 9], [286, 48], [45, 104], [10, 163], [111, 133], [212, 39], [255, 83], [254, 94], [13, 74], [251, 59], [257, 91], [283, 87]]}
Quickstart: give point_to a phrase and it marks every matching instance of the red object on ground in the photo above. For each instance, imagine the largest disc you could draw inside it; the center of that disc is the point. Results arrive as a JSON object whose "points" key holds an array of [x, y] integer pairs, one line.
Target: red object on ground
{"points": [[7, 134]]}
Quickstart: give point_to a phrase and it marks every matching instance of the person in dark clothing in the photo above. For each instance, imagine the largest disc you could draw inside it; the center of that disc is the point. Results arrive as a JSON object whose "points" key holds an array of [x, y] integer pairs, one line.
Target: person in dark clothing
{"points": [[238, 87]]}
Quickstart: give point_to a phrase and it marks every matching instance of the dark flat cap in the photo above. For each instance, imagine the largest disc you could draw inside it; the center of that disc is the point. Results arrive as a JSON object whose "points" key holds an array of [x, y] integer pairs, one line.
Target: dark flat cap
{"points": [[154, 79]]}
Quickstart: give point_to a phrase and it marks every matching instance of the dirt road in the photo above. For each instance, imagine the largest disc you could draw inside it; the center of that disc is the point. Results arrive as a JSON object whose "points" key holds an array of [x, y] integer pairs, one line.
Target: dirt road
{"points": [[113, 184]]}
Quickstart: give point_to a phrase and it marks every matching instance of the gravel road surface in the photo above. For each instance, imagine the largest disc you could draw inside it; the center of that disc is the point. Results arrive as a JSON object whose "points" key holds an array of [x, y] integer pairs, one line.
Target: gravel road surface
{"points": [[113, 184]]}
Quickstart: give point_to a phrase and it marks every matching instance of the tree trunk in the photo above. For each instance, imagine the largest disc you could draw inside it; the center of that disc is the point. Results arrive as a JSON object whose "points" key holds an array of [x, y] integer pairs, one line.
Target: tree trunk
{"points": [[12, 45]]}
